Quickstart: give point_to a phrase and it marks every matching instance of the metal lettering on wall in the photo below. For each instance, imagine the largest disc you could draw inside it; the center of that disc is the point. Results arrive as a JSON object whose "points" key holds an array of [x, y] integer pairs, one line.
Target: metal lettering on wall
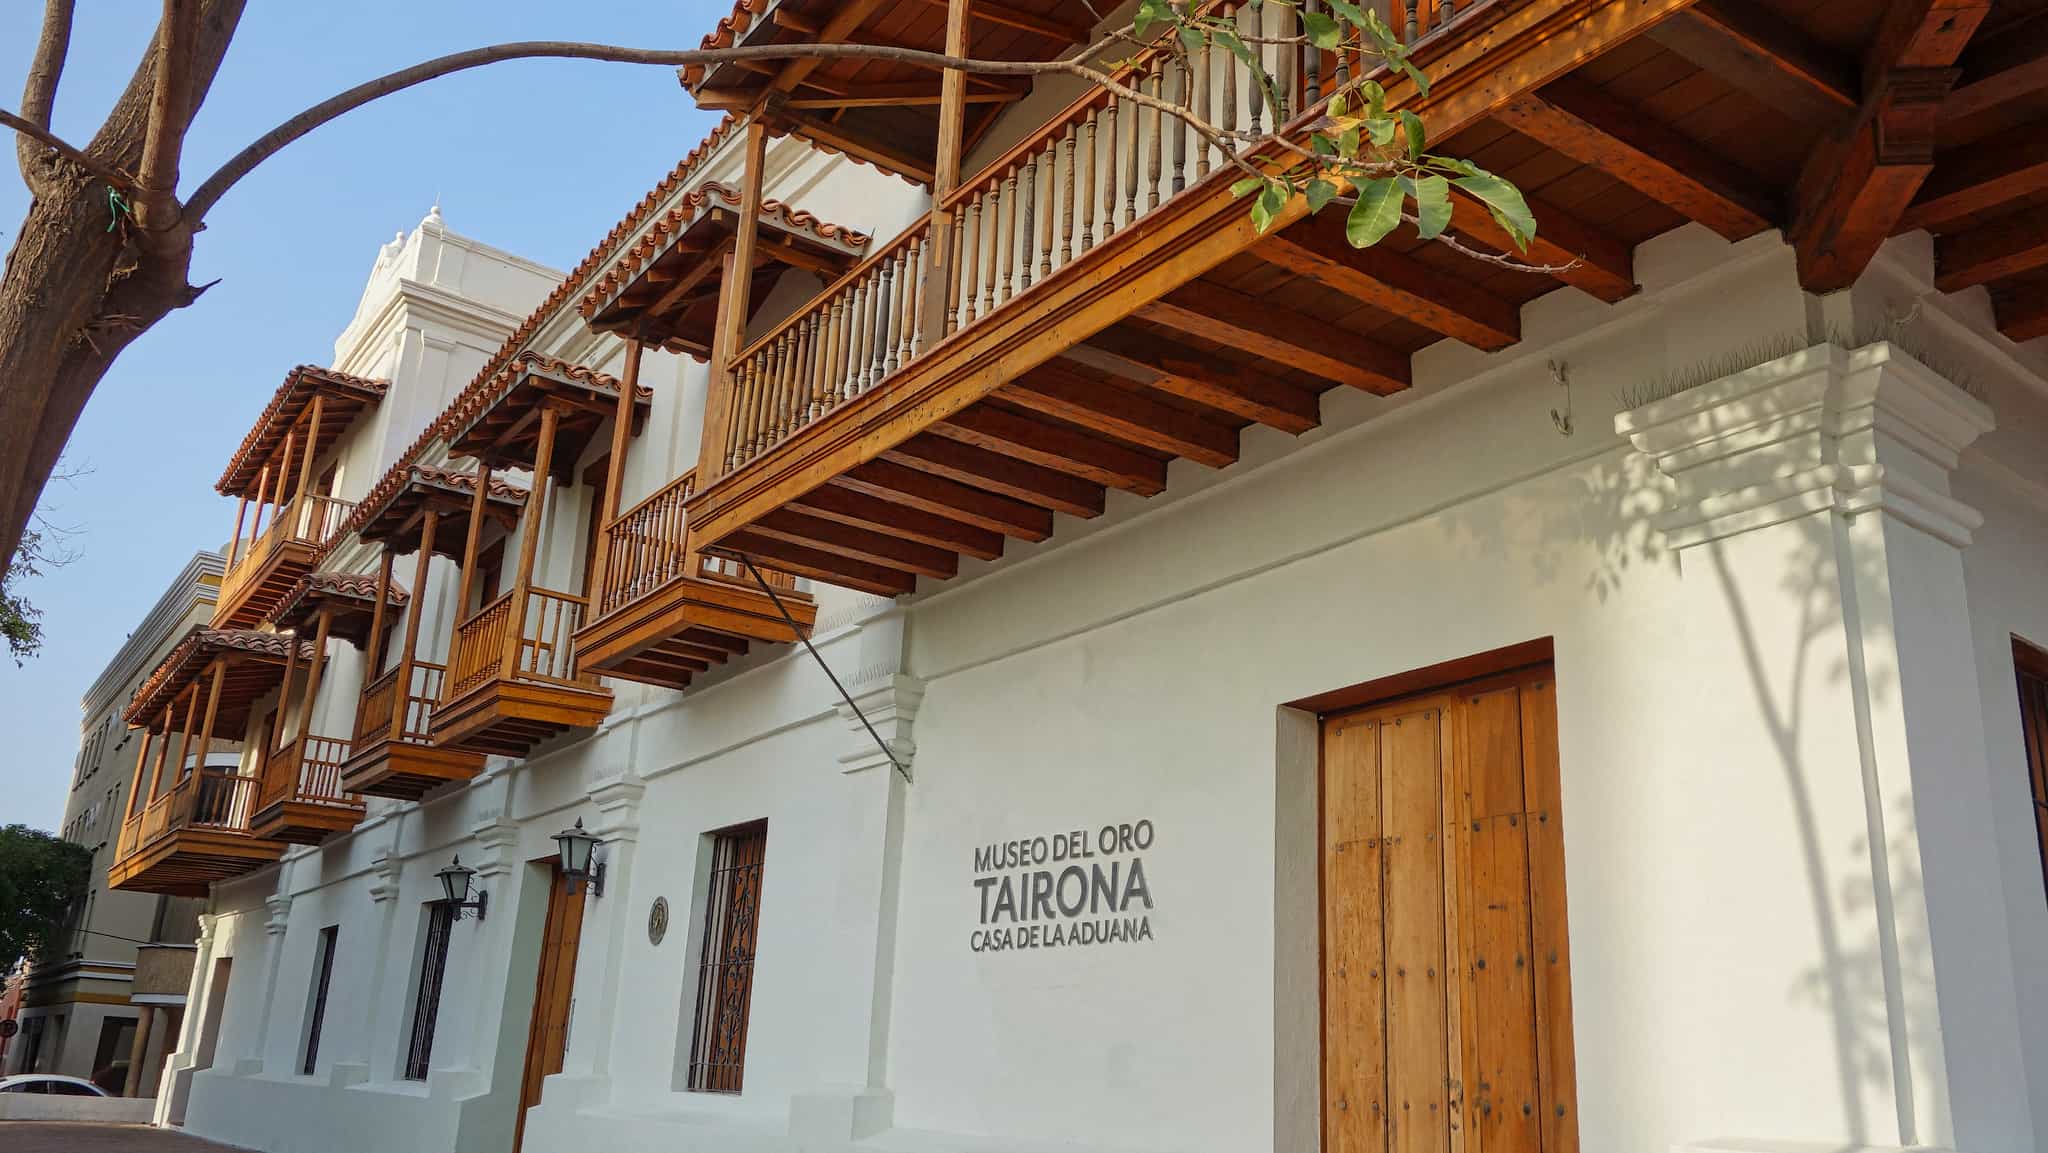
{"points": [[1064, 889]]}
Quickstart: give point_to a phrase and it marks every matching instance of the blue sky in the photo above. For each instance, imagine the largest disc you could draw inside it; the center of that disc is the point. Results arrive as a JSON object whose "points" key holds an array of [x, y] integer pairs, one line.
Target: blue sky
{"points": [[537, 157]]}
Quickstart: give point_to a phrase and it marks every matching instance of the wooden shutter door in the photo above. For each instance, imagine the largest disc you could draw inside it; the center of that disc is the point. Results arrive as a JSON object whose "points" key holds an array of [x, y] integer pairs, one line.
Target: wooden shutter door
{"points": [[1447, 1000]]}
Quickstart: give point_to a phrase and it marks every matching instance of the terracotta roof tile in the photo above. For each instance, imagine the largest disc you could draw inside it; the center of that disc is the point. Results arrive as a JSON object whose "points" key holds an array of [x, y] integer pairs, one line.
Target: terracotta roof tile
{"points": [[296, 390], [191, 656], [729, 31], [402, 475]]}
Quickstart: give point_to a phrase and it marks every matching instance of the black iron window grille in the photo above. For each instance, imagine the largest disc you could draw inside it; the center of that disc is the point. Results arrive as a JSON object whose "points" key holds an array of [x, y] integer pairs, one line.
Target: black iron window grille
{"points": [[2033, 676], [426, 1003], [725, 973]]}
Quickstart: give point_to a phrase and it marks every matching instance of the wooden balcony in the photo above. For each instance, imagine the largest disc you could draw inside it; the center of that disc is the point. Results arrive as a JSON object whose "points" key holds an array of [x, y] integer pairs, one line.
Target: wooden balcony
{"points": [[266, 569], [512, 677], [193, 835], [392, 754], [301, 799], [665, 615], [1103, 305]]}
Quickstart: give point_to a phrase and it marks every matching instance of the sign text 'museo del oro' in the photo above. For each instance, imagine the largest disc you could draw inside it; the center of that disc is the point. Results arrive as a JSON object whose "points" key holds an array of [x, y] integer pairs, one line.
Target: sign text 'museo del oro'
{"points": [[1064, 889]]}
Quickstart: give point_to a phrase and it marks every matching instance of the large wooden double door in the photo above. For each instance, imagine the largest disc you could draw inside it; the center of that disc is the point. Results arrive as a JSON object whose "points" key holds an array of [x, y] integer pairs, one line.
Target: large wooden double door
{"points": [[554, 993], [1447, 1022]]}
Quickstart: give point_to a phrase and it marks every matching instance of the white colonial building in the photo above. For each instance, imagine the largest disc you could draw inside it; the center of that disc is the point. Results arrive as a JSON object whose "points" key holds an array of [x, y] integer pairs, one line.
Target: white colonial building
{"points": [[1618, 721]]}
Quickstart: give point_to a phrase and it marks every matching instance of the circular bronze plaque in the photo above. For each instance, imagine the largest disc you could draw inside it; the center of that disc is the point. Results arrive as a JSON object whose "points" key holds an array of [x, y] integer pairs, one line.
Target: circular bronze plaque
{"points": [[657, 921]]}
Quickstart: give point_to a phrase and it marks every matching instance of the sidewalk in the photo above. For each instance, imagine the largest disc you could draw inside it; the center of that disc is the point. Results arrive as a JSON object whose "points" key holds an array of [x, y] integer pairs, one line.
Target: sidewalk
{"points": [[72, 1137]]}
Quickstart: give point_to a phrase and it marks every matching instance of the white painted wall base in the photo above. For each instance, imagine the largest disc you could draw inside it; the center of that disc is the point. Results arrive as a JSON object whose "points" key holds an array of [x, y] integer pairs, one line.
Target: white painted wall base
{"points": [[54, 1107]]}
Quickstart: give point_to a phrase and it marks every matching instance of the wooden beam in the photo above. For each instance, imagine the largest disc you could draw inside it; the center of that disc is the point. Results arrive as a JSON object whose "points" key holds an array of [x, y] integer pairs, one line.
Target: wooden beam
{"points": [[859, 544], [710, 263], [819, 565], [1397, 285], [1009, 16], [1071, 395], [1764, 55], [918, 93], [1586, 124], [1280, 335], [1057, 447], [1592, 261], [782, 251], [1213, 384], [859, 510], [1996, 71], [1858, 184], [1981, 178], [2022, 316], [950, 499], [2006, 247], [999, 474], [859, 147]]}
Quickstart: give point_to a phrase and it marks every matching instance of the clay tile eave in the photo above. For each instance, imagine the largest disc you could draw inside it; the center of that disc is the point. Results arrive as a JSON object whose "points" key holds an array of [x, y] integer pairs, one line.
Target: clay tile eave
{"points": [[285, 405]]}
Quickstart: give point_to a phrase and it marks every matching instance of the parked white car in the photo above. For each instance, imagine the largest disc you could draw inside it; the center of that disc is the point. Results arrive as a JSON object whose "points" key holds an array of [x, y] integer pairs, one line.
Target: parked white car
{"points": [[51, 1083]]}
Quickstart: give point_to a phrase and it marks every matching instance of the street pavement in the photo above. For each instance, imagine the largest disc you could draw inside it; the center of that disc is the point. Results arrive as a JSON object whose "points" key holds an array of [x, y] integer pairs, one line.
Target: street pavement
{"points": [[72, 1137]]}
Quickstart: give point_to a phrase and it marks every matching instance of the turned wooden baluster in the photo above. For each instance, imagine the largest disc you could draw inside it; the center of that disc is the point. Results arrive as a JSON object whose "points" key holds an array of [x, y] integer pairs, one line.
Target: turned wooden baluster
{"points": [[1254, 93], [778, 386], [906, 301], [1111, 165], [914, 298], [1084, 181], [953, 305], [801, 410], [1205, 80], [763, 378], [1154, 86], [831, 380], [821, 374], [1006, 241], [1181, 78], [871, 315], [1133, 141], [1311, 60], [992, 219], [1027, 224], [885, 295], [849, 376], [970, 261], [1228, 109], [892, 300], [1064, 181]]}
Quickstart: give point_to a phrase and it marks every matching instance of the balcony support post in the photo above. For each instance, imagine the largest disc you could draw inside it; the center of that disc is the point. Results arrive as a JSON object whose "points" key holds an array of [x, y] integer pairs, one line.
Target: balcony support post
{"points": [[477, 504], [275, 737], [946, 176], [375, 656], [163, 754], [220, 672], [235, 541], [615, 474], [284, 469], [262, 500], [326, 621], [529, 539], [185, 733], [306, 529], [141, 764], [412, 623], [718, 395]]}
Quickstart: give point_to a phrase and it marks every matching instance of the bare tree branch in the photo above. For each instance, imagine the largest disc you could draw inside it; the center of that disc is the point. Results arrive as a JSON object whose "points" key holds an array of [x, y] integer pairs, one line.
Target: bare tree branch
{"points": [[39, 92], [34, 135], [170, 111]]}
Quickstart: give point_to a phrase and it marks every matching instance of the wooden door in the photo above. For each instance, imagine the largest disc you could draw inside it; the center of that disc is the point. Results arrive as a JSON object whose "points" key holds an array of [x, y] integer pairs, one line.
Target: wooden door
{"points": [[547, 1036], [1446, 977]]}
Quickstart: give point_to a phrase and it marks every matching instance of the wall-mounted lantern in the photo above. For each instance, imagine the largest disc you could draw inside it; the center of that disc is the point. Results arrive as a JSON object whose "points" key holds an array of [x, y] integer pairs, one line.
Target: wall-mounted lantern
{"points": [[579, 860], [458, 882]]}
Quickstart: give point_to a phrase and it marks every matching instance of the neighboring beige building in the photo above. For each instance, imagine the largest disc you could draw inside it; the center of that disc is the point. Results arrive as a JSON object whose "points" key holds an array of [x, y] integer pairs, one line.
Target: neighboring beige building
{"points": [[79, 1012]]}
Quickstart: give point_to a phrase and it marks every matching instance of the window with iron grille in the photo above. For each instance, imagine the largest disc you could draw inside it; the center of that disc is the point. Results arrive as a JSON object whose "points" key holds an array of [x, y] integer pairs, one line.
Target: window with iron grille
{"points": [[323, 972], [2032, 664], [426, 1003], [725, 971]]}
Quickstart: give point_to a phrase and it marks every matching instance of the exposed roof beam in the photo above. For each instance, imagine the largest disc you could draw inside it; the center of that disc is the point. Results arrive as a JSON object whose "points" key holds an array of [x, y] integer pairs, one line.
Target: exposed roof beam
{"points": [[1981, 177], [1223, 387], [784, 252], [2022, 315], [1577, 119], [951, 499], [840, 27], [859, 510], [1594, 262], [1060, 448], [1100, 405], [1764, 55], [820, 565], [1858, 184], [2005, 247], [1398, 285], [1051, 27], [832, 136], [999, 474], [858, 544], [697, 274], [889, 95], [1280, 335], [2006, 67]]}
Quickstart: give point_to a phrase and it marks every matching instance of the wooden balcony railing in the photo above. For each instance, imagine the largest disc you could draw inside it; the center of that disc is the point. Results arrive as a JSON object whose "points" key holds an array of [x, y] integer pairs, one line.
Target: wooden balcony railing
{"points": [[543, 653], [307, 520], [376, 711], [306, 770], [1098, 168], [207, 798], [647, 546]]}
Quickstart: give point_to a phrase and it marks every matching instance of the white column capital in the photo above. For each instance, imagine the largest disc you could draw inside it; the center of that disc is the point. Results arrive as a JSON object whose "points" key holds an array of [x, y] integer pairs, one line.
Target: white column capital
{"points": [[497, 841], [280, 914], [1822, 429], [891, 707], [617, 798], [385, 869]]}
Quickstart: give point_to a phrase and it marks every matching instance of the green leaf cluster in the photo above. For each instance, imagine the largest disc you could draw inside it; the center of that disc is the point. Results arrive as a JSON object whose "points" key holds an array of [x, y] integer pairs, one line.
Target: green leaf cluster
{"points": [[43, 880]]}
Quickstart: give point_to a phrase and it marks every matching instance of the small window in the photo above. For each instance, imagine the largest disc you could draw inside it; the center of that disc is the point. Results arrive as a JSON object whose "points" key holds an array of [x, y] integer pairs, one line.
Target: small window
{"points": [[323, 973], [2032, 665], [426, 1003], [725, 970]]}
